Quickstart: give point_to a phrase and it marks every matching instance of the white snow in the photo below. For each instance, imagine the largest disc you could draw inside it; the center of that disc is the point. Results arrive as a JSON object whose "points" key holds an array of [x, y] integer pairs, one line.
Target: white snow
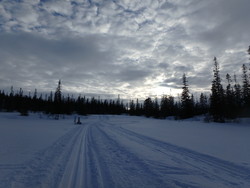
{"points": [[229, 141], [122, 151], [21, 137]]}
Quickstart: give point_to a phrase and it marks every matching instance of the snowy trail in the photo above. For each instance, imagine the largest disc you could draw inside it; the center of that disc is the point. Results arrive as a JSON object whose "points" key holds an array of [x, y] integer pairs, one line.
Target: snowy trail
{"points": [[121, 167], [102, 154], [47, 166], [75, 168], [177, 166]]}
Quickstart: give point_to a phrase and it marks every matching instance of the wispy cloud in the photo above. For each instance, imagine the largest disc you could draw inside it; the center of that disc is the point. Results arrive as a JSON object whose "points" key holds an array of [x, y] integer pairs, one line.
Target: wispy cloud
{"points": [[120, 46]]}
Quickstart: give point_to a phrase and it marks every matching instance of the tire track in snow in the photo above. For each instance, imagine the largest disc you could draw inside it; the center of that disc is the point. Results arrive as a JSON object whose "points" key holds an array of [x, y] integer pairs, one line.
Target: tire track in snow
{"points": [[229, 167], [124, 168], [99, 173], [78, 159], [93, 156], [72, 161], [47, 167], [75, 167], [84, 169], [185, 161]]}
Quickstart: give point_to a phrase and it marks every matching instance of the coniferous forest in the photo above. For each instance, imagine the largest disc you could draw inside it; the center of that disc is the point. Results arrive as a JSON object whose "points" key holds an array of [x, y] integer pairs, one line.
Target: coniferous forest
{"points": [[224, 103]]}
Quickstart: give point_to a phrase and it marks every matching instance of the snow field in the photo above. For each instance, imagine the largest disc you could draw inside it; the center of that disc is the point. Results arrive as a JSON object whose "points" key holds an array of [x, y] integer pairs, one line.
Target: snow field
{"points": [[122, 151]]}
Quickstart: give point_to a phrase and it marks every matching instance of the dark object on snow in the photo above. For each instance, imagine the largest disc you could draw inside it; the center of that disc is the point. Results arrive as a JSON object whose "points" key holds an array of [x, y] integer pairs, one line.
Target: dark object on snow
{"points": [[57, 117], [24, 113], [78, 121]]}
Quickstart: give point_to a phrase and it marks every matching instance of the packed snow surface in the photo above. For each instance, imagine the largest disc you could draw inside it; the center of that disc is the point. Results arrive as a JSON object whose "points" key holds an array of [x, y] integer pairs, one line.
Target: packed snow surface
{"points": [[122, 152]]}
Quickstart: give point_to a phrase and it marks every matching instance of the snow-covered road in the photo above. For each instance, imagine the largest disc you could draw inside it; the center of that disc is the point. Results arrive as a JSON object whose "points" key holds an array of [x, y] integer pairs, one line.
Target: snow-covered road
{"points": [[103, 153]]}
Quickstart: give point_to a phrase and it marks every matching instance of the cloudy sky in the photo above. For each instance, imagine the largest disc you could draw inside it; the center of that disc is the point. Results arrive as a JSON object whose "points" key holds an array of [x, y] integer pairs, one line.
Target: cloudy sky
{"points": [[135, 48]]}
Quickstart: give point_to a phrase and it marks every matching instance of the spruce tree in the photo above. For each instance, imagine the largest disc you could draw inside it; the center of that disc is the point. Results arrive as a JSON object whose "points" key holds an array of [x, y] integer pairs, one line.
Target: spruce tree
{"points": [[167, 106], [132, 107], [148, 107], [138, 108], [58, 93], [203, 104], [156, 108], [164, 107], [230, 99], [237, 93], [186, 100], [245, 85], [58, 100], [217, 96], [246, 89]]}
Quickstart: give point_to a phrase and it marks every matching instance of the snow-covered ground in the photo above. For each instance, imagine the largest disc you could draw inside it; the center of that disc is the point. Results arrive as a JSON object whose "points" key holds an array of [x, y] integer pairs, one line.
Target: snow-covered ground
{"points": [[122, 151]]}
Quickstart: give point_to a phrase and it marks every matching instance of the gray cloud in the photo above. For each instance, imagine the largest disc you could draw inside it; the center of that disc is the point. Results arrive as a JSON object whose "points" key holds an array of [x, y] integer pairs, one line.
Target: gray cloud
{"points": [[120, 47], [222, 25]]}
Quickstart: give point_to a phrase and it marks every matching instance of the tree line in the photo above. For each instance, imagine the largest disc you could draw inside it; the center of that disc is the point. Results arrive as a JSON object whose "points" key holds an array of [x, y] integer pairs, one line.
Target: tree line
{"points": [[222, 104], [230, 102], [56, 103]]}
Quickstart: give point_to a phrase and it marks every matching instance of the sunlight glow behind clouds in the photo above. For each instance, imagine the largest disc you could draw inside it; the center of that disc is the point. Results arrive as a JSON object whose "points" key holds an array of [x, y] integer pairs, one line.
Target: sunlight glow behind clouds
{"points": [[133, 48]]}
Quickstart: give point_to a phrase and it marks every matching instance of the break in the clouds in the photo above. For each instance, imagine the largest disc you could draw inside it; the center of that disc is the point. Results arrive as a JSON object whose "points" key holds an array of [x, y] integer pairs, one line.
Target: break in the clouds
{"points": [[132, 48]]}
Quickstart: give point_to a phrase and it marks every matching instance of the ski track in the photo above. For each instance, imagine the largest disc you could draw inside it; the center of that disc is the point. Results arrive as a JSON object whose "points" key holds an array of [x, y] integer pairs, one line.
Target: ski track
{"points": [[124, 168], [92, 155], [47, 166], [185, 161]]}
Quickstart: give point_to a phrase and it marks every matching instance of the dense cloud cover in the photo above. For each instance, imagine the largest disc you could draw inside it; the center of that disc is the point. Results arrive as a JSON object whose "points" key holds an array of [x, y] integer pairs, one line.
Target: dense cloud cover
{"points": [[132, 48]]}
